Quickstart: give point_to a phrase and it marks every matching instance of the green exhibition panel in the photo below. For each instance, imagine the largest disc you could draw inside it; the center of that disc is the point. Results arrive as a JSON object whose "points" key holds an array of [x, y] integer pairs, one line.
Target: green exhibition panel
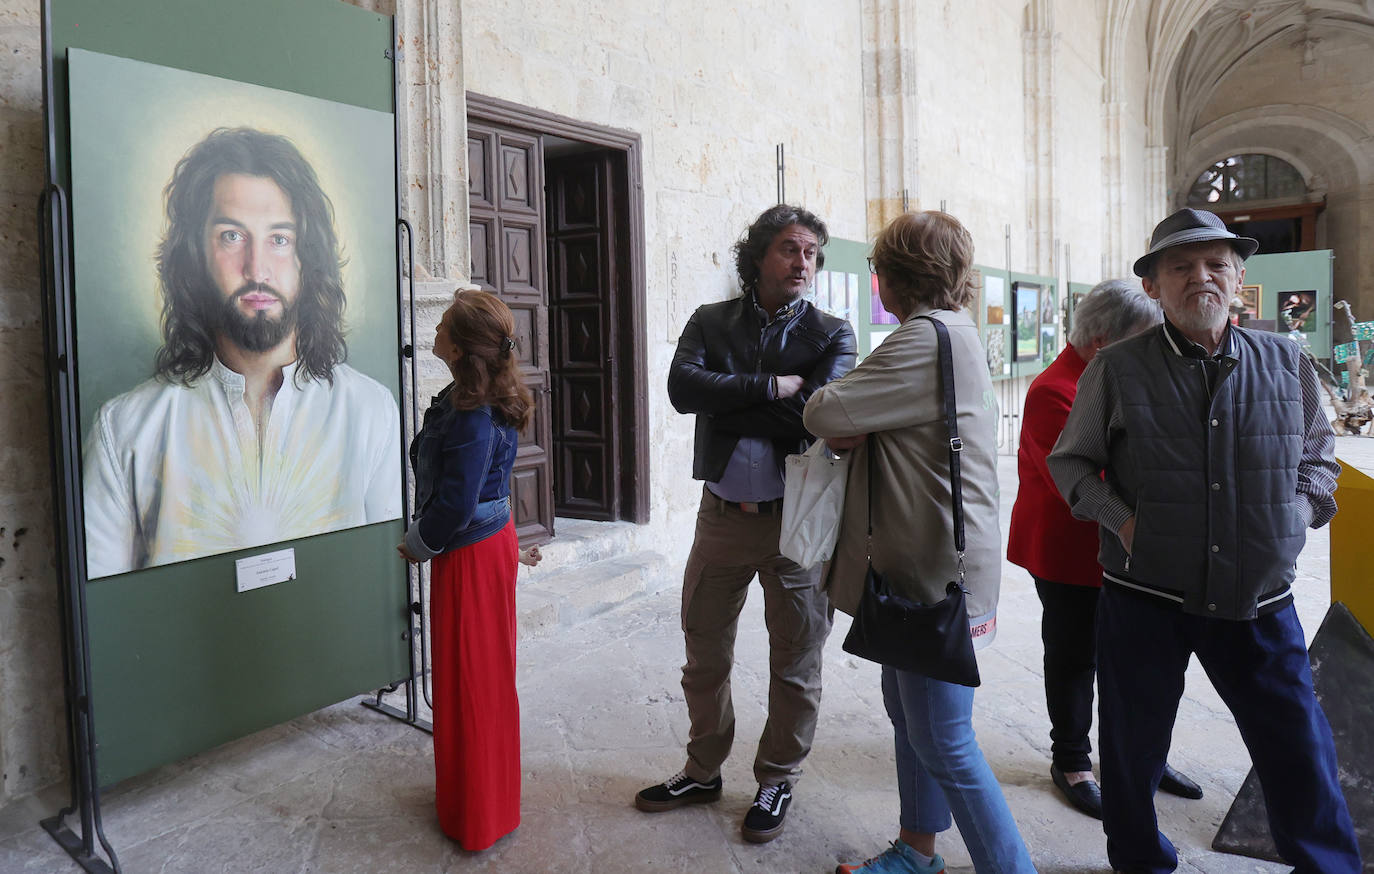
{"points": [[992, 311], [240, 557], [1299, 284], [1033, 303], [844, 287]]}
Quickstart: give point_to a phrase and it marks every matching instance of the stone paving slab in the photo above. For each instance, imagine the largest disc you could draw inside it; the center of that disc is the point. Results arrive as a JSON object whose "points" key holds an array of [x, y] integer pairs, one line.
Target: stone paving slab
{"points": [[345, 789]]}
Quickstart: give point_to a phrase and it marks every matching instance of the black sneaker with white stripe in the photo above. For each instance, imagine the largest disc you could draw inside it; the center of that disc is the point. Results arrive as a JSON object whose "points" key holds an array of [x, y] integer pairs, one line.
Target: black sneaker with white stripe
{"points": [[763, 822], [677, 791]]}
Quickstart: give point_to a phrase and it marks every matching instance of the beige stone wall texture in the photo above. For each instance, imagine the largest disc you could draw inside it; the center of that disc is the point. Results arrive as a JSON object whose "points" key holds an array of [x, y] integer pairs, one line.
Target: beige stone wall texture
{"points": [[1136, 217], [711, 88], [971, 121], [1079, 140], [32, 744]]}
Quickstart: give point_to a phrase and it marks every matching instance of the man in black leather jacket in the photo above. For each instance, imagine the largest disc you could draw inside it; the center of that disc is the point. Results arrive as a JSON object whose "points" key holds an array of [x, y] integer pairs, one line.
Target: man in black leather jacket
{"points": [[745, 367]]}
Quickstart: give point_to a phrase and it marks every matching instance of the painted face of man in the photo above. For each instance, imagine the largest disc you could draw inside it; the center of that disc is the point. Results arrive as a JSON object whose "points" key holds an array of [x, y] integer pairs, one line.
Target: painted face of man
{"points": [[251, 260], [789, 264], [1195, 283]]}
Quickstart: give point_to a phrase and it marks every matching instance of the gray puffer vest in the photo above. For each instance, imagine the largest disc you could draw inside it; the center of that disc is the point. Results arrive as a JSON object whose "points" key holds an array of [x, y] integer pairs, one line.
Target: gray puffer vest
{"points": [[1213, 481]]}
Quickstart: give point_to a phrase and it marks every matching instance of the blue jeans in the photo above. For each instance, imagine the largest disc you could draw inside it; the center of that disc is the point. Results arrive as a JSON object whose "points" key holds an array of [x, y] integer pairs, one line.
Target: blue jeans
{"points": [[941, 771], [1260, 669]]}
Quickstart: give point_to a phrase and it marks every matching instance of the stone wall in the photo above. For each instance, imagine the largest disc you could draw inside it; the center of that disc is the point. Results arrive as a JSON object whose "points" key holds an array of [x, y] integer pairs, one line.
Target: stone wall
{"points": [[32, 747], [1315, 111], [971, 122], [711, 88]]}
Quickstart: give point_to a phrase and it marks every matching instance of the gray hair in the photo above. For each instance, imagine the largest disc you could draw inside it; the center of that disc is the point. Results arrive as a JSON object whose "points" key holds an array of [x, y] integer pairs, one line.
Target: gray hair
{"points": [[1114, 310]]}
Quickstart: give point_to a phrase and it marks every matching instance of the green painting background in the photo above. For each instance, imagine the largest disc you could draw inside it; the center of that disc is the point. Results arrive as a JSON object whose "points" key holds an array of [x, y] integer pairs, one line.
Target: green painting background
{"points": [[131, 122], [180, 661]]}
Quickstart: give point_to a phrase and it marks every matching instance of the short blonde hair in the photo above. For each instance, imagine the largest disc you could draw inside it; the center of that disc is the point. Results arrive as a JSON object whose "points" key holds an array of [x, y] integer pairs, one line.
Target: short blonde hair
{"points": [[926, 260]]}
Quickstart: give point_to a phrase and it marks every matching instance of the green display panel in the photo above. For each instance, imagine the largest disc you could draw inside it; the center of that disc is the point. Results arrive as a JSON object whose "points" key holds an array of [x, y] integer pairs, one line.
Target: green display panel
{"points": [[1036, 335], [844, 288], [992, 311], [1299, 282], [181, 659]]}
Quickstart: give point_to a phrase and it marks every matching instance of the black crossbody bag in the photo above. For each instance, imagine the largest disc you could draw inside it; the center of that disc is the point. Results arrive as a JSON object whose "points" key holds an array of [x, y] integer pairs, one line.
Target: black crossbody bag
{"points": [[928, 639]]}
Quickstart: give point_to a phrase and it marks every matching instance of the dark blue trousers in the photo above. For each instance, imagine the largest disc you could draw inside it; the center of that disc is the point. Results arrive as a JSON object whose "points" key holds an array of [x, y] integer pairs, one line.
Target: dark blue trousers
{"points": [[1260, 669]]}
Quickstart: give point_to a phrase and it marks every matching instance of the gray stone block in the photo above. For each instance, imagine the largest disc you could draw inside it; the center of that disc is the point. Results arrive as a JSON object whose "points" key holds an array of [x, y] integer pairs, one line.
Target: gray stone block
{"points": [[1342, 657]]}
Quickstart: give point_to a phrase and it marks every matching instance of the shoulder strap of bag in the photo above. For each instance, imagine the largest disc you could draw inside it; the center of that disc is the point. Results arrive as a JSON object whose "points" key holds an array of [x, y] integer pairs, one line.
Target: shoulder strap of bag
{"points": [[955, 444]]}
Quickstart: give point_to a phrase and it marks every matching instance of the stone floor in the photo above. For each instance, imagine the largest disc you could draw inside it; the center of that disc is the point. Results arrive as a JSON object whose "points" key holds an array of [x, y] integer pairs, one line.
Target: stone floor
{"points": [[346, 790]]}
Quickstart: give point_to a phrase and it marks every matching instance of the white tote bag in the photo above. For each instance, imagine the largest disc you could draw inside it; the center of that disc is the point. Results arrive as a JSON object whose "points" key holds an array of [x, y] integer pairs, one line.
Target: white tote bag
{"points": [[812, 502]]}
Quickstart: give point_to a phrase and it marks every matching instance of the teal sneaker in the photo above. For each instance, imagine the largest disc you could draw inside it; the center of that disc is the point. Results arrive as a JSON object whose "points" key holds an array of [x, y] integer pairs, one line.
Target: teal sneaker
{"points": [[896, 859]]}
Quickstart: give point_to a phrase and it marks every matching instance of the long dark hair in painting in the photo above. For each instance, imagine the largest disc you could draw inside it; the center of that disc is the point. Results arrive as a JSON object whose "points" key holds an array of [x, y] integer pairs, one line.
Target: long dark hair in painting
{"points": [[190, 303]]}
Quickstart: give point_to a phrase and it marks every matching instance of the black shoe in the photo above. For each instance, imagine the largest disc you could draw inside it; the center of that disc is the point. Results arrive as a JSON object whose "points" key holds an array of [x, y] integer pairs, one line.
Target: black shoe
{"points": [[1085, 794], [763, 822], [677, 791], [1177, 784]]}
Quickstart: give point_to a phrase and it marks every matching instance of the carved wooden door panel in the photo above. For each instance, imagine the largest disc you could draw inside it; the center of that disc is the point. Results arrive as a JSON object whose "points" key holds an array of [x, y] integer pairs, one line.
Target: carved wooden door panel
{"points": [[506, 231], [582, 306]]}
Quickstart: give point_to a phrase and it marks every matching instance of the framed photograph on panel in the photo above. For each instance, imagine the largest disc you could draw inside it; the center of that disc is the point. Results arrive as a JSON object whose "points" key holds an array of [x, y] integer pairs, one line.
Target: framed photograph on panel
{"points": [[1250, 301], [820, 291], [1297, 311], [878, 314], [1047, 345], [995, 298], [995, 342], [1025, 320]]}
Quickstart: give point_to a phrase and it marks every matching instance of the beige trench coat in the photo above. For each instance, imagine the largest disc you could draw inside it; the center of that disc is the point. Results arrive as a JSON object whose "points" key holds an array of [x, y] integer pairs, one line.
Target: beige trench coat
{"points": [[894, 396]]}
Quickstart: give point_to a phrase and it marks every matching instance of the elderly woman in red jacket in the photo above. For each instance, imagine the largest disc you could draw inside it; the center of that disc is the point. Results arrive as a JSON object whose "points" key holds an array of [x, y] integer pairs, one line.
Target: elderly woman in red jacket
{"points": [[1061, 552]]}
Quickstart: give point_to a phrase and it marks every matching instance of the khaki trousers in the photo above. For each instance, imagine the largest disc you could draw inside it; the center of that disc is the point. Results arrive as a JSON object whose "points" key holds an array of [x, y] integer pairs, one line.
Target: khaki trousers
{"points": [[732, 546]]}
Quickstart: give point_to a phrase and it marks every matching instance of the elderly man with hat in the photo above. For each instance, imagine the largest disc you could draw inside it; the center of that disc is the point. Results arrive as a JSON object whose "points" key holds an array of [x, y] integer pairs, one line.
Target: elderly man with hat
{"points": [[1202, 452]]}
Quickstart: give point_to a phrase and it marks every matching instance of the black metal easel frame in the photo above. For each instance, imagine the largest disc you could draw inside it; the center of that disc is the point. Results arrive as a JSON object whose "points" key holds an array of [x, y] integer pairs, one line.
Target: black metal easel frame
{"points": [[410, 426], [55, 262]]}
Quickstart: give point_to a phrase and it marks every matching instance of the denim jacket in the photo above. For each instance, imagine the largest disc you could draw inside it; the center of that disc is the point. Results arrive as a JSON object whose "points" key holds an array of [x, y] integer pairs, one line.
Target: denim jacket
{"points": [[462, 461]]}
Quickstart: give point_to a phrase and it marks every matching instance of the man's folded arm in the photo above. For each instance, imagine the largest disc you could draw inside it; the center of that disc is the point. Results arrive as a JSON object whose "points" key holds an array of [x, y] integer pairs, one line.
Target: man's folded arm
{"points": [[782, 418], [694, 388]]}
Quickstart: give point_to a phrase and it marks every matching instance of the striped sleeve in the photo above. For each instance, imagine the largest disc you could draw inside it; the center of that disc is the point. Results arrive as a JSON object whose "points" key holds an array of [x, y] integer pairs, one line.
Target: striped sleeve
{"points": [[1082, 451], [1317, 471]]}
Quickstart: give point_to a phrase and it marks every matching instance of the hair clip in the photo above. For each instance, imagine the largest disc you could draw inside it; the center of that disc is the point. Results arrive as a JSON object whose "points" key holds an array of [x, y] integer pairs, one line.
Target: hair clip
{"points": [[508, 344]]}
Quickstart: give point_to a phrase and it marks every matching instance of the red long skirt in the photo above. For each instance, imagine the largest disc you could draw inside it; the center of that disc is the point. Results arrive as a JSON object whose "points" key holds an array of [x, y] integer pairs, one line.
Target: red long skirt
{"points": [[476, 712]]}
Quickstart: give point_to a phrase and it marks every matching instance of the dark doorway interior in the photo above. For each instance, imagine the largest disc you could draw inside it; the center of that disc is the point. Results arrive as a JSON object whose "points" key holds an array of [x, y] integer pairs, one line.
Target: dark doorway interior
{"points": [[585, 191], [1274, 235], [585, 312]]}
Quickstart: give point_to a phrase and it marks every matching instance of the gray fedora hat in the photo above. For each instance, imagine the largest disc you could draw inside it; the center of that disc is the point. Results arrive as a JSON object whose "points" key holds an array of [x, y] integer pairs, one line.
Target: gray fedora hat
{"points": [[1191, 226]]}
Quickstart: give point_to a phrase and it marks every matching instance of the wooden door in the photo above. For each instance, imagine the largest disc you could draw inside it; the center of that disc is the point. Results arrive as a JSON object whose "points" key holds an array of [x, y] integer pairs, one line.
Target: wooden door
{"points": [[506, 231], [583, 307]]}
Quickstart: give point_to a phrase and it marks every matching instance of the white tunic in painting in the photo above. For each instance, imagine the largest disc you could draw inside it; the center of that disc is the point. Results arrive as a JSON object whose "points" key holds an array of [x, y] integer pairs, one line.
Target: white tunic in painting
{"points": [[174, 472]]}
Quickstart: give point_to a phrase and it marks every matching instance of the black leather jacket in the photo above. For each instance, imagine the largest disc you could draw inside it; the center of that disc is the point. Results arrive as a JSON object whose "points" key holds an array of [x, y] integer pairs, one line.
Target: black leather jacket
{"points": [[723, 368]]}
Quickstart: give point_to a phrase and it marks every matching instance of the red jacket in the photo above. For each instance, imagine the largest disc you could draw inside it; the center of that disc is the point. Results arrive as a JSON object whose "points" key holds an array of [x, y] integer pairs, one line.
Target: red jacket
{"points": [[1044, 538]]}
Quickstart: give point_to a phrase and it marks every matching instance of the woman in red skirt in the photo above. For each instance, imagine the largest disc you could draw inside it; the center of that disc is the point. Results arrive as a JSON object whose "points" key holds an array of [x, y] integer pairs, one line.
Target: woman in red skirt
{"points": [[462, 460]]}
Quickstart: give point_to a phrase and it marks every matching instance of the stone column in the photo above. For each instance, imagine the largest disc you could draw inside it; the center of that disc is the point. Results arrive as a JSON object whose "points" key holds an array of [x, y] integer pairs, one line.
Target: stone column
{"points": [[32, 734], [1040, 42], [889, 78], [1114, 185], [1158, 200], [433, 120]]}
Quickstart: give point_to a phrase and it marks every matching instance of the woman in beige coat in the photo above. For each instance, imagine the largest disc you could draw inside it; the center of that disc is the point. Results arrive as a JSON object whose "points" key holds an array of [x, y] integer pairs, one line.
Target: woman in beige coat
{"points": [[891, 406]]}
